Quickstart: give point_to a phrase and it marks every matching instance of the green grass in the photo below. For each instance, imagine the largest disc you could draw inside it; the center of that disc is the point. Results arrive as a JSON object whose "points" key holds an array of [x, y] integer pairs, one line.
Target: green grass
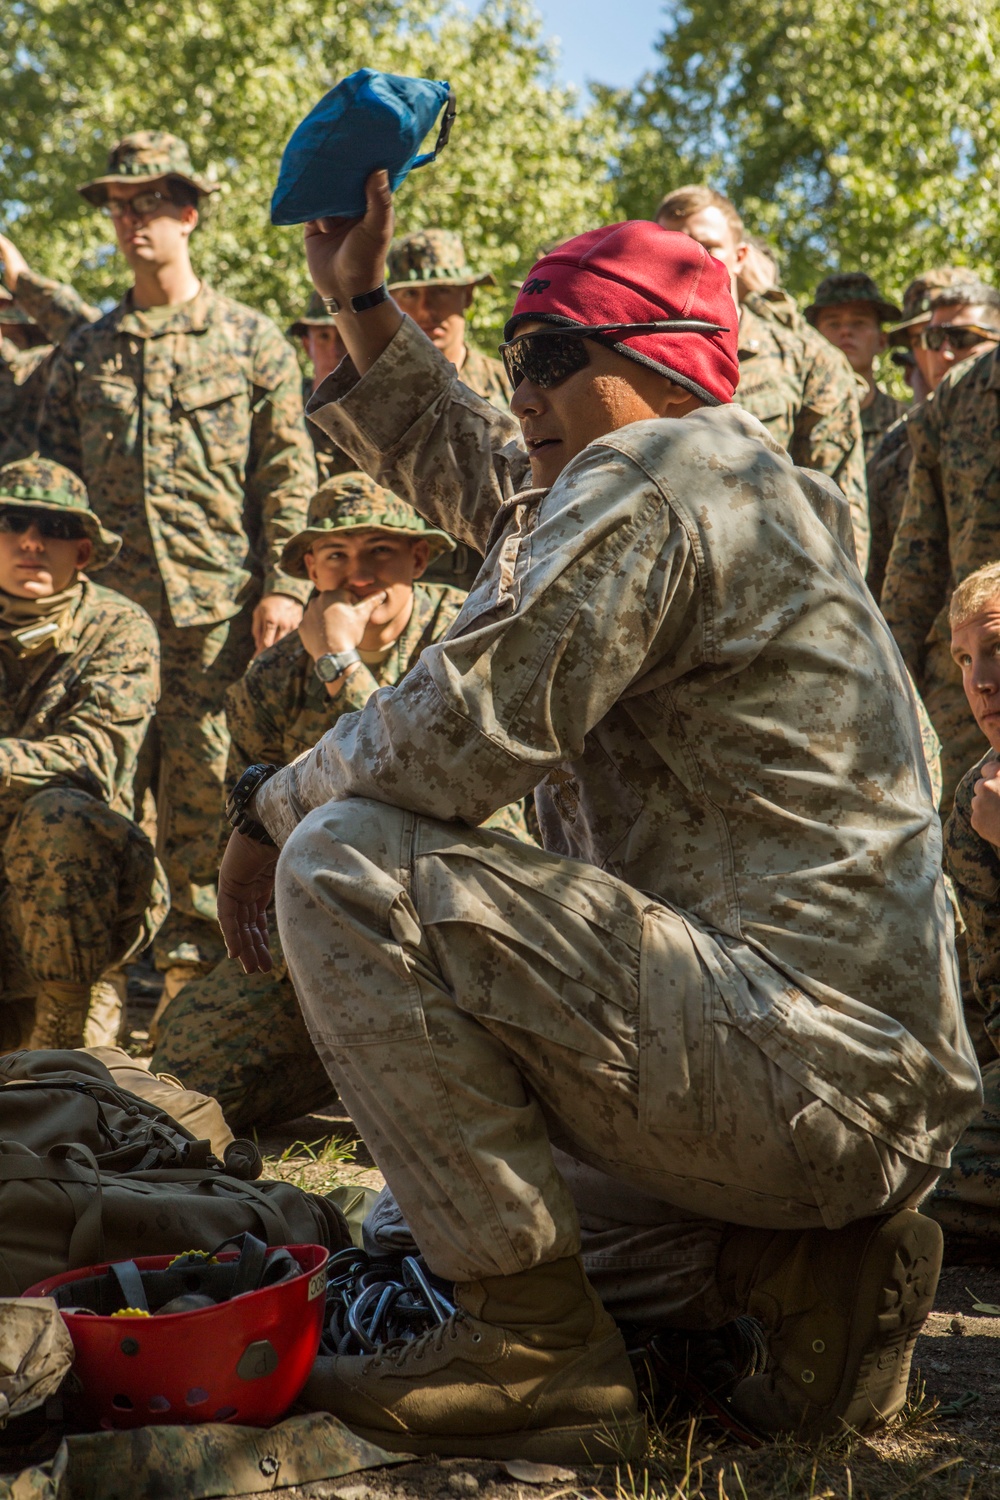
{"points": [[313, 1165]]}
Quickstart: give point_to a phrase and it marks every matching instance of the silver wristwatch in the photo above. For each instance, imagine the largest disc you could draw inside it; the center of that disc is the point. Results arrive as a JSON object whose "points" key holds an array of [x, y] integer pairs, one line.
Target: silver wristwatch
{"points": [[334, 664]]}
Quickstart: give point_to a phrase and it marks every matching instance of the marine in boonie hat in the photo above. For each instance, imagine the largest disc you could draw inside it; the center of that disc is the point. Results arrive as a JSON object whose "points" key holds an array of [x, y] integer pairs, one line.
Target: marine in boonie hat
{"points": [[146, 156], [920, 296], [432, 257], [851, 286], [39, 484], [354, 502], [315, 316]]}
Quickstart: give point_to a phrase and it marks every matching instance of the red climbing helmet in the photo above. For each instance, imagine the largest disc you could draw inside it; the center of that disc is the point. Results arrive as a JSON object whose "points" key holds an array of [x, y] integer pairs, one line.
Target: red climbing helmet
{"points": [[223, 1337]]}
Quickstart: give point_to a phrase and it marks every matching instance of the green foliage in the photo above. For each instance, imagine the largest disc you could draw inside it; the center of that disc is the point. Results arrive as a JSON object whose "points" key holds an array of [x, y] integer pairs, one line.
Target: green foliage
{"points": [[857, 134], [233, 77]]}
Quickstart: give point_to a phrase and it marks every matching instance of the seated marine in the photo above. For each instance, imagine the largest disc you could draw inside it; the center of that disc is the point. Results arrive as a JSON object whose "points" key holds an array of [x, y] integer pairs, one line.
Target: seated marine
{"points": [[240, 1036], [966, 1200], [80, 888], [702, 1053]]}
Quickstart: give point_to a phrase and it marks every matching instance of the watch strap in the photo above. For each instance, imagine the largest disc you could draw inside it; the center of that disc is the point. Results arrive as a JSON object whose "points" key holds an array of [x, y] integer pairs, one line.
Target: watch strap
{"points": [[359, 304], [333, 664], [243, 792]]}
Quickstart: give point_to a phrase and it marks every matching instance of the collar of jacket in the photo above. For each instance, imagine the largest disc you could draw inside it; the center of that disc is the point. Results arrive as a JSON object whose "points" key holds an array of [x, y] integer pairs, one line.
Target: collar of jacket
{"points": [[190, 317]]}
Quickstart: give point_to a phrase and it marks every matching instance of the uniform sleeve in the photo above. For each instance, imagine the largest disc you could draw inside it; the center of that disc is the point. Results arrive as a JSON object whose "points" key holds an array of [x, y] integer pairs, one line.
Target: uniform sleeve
{"points": [[974, 866], [916, 576], [598, 590], [58, 428], [92, 738], [281, 471], [888, 481], [416, 429], [828, 434], [58, 309]]}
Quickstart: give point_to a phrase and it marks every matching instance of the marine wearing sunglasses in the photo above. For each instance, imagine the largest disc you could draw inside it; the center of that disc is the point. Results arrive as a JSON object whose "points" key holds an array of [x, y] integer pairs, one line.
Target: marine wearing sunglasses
{"points": [[41, 551], [547, 356]]}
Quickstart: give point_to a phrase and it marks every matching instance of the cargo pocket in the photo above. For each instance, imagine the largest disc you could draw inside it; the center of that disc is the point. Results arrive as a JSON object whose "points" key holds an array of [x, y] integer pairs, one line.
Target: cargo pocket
{"points": [[676, 1030], [218, 404], [842, 1164]]}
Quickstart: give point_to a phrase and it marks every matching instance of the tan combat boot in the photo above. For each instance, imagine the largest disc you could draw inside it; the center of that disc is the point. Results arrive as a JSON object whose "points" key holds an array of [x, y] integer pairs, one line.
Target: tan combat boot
{"points": [[843, 1309], [530, 1366], [60, 1016]]}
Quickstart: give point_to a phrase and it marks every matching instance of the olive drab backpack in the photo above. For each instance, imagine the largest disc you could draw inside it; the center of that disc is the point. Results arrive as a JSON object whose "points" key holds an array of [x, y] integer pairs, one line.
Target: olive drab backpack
{"points": [[90, 1172]]}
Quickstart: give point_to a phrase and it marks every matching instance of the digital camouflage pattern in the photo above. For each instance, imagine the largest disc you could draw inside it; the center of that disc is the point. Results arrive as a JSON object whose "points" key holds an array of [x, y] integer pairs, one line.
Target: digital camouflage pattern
{"points": [[805, 393], [876, 419], [974, 866], [142, 157], [948, 529], [79, 884], [675, 648], [241, 1036], [24, 373], [194, 423], [353, 502], [432, 257], [851, 286], [888, 472]]}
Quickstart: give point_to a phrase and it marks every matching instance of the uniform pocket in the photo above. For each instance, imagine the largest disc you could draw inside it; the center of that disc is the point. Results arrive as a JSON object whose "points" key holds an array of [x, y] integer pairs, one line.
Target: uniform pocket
{"points": [[218, 404], [109, 416], [676, 1029], [842, 1164]]}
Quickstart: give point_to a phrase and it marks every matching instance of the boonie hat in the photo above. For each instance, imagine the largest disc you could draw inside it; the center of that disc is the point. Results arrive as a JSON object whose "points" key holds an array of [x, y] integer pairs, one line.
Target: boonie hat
{"points": [[40, 484], [636, 272], [354, 502], [851, 286], [315, 316], [370, 121], [432, 257], [920, 296], [143, 157]]}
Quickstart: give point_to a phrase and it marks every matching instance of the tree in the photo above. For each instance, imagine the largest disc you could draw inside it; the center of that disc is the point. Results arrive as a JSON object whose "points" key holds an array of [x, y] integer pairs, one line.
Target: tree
{"points": [[234, 77], [858, 134]]}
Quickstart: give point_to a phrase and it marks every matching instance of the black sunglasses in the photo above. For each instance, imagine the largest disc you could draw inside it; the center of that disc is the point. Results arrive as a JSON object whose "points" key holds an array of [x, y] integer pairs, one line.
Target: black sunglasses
{"points": [[545, 357], [51, 525], [958, 335]]}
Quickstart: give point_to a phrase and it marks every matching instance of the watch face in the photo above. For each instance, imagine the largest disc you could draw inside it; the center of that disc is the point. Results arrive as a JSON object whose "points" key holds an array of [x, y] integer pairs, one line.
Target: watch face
{"points": [[327, 669]]}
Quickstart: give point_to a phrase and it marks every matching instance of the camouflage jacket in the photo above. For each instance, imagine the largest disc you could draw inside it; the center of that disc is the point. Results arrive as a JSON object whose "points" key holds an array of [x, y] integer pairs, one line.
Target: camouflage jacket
{"points": [[80, 713], [805, 393], [193, 424], [951, 515], [888, 482], [974, 866], [58, 311], [279, 708], [876, 419], [485, 376], [330, 460], [675, 648]]}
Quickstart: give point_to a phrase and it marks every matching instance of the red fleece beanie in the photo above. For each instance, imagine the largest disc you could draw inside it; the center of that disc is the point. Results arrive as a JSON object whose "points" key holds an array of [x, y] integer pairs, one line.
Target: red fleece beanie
{"points": [[636, 272]]}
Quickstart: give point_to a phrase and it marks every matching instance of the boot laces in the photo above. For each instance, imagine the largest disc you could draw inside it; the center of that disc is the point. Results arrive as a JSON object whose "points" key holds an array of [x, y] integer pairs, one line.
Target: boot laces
{"points": [[399, 1351]]}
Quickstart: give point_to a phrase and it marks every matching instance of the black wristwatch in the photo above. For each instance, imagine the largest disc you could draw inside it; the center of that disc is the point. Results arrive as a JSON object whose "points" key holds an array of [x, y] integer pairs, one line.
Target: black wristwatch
{"points": [[242, 794], [333, 664], [359, 304]]}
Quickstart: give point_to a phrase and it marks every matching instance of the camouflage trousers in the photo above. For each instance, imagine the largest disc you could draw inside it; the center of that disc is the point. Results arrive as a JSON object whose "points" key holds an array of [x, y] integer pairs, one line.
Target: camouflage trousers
{"points": [[241, 1038], [477, 1002], [190, 742], [962, 741], [966, 1201], [80, 890]]}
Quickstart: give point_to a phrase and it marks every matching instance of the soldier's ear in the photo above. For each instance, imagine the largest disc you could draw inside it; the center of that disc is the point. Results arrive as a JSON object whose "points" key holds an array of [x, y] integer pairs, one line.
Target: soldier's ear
{"points": [[470, 293], [84, 552], [421, 552]]}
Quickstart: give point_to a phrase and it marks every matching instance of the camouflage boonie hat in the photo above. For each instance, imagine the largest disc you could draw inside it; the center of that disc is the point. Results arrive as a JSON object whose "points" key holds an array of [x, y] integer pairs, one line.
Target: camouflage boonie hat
{"points": [[315, 316], [39, 484], [353, 502], [144, 157], [851, 286], [432, 257], [921, 294]]}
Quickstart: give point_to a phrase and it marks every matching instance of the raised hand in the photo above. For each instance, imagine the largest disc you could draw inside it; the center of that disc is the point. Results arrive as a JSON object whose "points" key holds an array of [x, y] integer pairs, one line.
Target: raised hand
{"points": [[347, 256]]}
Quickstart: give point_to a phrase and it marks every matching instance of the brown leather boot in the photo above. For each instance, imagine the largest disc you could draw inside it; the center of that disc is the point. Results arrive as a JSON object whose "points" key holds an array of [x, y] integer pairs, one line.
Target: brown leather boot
{"points": [[843, 1308], [530, 1366]]}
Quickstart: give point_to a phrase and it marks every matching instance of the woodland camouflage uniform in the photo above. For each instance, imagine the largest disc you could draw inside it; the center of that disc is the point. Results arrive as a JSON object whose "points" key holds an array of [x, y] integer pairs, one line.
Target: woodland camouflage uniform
{"points": [[949, 528], [80, 886], [806, 395], [857, 287], [693, 766], [881, 413], [966, 1201], [187, 427], [58, 311], [243, 1035], [330, 460]]}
